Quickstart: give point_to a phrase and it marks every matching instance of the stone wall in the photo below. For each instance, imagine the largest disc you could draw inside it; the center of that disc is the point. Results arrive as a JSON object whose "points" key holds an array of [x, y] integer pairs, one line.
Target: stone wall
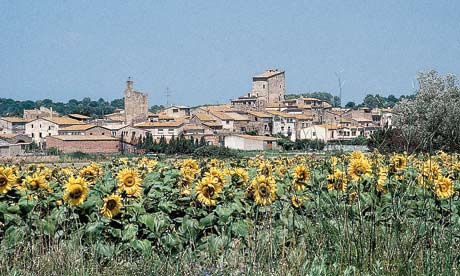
{"points": [[136, 105], [109, 146]]}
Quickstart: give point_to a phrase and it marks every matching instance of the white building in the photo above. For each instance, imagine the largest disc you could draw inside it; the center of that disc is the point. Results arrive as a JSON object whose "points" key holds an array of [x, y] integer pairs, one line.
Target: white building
{"points": [[249, 142], [40, 128]]}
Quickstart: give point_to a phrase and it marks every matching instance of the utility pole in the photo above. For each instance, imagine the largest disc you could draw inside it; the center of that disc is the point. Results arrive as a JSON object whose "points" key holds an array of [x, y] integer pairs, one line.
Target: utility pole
{"points": [[167, 95]]}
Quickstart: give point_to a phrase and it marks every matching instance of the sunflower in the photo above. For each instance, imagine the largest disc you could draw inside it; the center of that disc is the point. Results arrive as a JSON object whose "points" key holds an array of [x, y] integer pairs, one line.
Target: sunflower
{"points": [[89, 174], [301, 176], [190, 163], [264, 189], [356, 155], [296, 201], [129, 181], [359, 168], [7, 179], [337, 180], [443, 187], [112, 206], [208, 190], [429, 172], [398, 163], [382, 178], [239, 176], [35, 182], [76, 190], [215, 172], [265, 168]]}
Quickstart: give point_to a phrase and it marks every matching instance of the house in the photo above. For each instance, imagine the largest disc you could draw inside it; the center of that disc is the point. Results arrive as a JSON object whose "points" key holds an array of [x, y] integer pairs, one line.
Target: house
{"points": [[86, 129], [324, 132], [249, 142], [198, 132], [131, 134], [260, 122], [13, 125], [177, 111], [10, 150], [42, 112], [159, 129], [13, 144], [83, 143], [284, 124], [48, 126]]}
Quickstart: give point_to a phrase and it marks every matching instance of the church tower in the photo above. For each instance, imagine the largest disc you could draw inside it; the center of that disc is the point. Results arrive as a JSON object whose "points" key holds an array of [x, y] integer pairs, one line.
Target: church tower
{"points": [[136, 104]]}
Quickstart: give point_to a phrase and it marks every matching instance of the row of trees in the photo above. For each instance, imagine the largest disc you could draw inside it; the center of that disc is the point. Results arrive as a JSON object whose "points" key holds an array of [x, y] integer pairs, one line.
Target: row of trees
{"points": [[180, 145], [88, 107], [371, 101]]}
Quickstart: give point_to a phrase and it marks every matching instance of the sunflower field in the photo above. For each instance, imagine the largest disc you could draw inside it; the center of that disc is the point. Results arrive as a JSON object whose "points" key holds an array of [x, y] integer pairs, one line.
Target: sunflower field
{"points": [[348, 214]]}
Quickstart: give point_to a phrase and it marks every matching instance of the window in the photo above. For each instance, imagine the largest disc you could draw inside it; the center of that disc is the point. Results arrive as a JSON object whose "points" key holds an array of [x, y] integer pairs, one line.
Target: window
{"points": [[263, 86], [49, 127], [227, 122], [40, 135], [33, 135], [314, 134], [49, 134], [171, 130], [32, 126], [160, 130], [243, 129], [175, 110]]}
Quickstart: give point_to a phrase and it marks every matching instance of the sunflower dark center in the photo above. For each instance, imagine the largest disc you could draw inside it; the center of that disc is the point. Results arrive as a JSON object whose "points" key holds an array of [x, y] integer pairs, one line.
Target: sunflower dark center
{"points": [[210, 190], [3, 181], [263, 190], [443, 188], [76, 193], [129, 181], [111, 204]]}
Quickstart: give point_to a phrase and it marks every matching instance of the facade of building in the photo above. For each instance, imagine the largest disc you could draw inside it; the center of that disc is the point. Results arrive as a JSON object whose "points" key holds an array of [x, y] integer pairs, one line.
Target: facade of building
{"points": [[136, 105], [87, 129], [13, 125], [177, 111], [41, 112], [40, 128], [10, 150], [249, 142], [162, 129], [83, 143]]}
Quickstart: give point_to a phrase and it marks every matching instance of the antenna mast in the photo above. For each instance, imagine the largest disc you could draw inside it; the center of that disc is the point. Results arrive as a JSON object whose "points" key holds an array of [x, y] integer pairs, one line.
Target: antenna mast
{"points": [[167, 95]]}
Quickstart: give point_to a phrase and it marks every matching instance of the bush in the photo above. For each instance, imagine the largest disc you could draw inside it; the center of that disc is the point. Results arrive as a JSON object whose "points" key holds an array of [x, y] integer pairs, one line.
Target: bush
{"points": [[215, 151]]}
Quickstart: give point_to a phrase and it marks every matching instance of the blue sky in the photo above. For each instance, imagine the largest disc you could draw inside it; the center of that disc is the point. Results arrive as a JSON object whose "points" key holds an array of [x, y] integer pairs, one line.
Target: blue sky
{"points": [[207, 51]]}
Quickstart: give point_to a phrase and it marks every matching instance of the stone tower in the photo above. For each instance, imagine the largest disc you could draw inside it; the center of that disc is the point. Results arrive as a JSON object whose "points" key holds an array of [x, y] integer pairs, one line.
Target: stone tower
{"points": [[136, 104], [270, 86]]}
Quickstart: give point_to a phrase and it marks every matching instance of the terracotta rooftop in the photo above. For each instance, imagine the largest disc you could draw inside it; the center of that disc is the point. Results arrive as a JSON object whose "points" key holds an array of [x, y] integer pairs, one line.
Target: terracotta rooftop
{"points": [[260, 114], [84, 137], [281, 114], [192, 127], [79, 116], [269, 73], [63, 121], [223, 116], [204, 117], [15, 119], [237, 117], [77, 127]]}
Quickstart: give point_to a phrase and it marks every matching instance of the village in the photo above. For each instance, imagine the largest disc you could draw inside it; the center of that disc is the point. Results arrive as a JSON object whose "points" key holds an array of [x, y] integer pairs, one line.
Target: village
{"points": [[254, 121]]}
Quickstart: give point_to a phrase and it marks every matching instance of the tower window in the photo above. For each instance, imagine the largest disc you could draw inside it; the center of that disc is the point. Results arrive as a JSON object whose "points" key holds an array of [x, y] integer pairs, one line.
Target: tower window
{"points": [[263, 86]]}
